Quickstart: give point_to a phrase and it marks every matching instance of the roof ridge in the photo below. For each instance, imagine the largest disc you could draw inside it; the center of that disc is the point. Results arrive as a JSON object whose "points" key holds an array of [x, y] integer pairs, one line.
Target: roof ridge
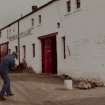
{"points": [[30, 13]]}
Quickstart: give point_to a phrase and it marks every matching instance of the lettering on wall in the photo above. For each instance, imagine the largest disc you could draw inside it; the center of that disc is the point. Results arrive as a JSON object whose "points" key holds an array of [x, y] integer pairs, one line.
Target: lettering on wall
{"points": [[21, 35]]}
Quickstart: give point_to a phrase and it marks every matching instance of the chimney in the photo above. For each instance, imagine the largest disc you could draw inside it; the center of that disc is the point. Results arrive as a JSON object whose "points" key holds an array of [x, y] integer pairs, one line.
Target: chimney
{"points": [[34, 7]]}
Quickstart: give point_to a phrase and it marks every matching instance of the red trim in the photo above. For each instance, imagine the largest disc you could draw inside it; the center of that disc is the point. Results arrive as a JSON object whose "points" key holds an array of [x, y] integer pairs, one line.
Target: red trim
{"points": [[1, 56], [48, 35], [49, 62], [4, 43]]}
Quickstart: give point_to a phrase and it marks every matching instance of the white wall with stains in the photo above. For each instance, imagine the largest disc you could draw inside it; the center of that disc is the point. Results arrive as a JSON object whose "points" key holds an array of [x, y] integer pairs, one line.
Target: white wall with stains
{"points": [[84, 30], [85, 34]]}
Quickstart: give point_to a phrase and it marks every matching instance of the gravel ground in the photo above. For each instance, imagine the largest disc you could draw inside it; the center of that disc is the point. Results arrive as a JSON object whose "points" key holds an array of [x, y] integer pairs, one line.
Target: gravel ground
{"points": [[32, 89]]}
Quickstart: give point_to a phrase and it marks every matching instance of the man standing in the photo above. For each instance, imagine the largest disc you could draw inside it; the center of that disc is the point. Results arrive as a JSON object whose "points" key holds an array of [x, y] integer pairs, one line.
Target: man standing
{"points": [[6, 64]]}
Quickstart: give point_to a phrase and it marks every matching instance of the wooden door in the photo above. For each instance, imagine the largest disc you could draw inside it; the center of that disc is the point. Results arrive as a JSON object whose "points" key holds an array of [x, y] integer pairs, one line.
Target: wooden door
{"points": [[47, 56], [49, 53], [3, 50]]}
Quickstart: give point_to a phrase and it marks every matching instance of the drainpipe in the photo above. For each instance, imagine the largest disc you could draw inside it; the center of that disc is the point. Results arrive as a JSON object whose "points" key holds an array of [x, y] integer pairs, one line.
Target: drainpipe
{"points": [[19, 41]]}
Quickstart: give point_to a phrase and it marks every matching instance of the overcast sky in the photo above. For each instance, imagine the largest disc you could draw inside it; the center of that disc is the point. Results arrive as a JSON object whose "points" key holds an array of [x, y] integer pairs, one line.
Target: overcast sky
{"points": [[10, 10]]}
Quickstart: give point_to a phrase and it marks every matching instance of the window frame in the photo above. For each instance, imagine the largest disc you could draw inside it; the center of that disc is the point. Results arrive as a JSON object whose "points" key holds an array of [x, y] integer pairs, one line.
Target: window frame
{"points": [[68, 5], [64, 46], [0, 34], [33, 50], [24, 51], [32, 22], [40, 19], [78, 4], [16, 49]]}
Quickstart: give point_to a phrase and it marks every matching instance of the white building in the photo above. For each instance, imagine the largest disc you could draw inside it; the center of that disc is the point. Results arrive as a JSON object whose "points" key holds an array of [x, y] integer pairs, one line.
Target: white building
{"points": [[62, 36]]}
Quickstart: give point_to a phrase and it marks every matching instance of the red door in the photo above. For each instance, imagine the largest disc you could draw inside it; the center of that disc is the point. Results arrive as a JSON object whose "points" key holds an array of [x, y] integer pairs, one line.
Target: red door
{"points": [[49, 53], [3, 50], [47, 56]]}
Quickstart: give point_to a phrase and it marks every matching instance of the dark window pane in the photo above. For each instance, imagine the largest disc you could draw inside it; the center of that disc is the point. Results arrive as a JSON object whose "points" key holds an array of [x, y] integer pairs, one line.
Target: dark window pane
{"points": [[68, 6], [78, 3], [33, 45]]}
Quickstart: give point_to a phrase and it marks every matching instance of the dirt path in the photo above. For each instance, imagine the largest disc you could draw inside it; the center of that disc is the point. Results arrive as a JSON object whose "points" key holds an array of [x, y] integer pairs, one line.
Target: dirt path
{"points": [[33, 89]]}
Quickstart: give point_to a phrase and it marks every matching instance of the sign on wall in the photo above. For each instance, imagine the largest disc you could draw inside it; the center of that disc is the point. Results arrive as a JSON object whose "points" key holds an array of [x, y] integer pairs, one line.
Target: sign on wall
{"points": [[21, 35]]}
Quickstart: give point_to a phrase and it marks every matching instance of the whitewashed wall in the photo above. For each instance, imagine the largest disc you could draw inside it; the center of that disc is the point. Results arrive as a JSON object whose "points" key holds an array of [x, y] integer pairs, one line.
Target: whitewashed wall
{"points": [[85, 37], [48, 26]]}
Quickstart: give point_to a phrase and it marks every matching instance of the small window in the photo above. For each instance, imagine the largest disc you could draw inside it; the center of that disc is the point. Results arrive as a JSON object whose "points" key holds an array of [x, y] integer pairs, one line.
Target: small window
{"points": [[16, 49], [58, 24], [33, 47], [13, 30], [24, 52], [78, 3], [32, 20], [10, 30], [0, 34], [68, 6], [64, 47], [7, 33], [40, 19]]}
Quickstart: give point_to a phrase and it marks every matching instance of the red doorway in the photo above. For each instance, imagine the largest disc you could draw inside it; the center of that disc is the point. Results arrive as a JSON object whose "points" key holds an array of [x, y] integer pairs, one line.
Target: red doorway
{"points": [[49, 55], [3, 50]]}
